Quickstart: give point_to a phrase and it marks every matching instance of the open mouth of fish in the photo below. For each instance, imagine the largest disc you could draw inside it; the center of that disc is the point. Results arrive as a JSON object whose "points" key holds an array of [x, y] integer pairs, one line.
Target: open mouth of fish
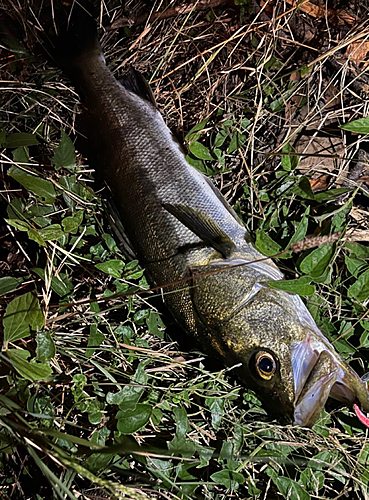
{"points": [[318, 375]]}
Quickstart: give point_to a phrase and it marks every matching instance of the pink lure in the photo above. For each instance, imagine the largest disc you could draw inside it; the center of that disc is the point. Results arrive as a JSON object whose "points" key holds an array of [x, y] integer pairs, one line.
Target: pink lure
{"points": [[360, 415]]}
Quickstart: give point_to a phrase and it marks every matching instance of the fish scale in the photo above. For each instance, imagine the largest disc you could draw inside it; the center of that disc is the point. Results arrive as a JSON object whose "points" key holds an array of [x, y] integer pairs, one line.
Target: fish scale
{"points": [[181, 228]]}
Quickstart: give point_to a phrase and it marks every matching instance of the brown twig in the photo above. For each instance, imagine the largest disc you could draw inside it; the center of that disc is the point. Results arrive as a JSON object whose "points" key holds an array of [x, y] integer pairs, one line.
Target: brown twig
{"points": [[167, 13]]}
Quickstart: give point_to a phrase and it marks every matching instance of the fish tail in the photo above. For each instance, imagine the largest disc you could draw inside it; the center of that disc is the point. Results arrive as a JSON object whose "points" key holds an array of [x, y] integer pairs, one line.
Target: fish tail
{"points": [[75, 35]]}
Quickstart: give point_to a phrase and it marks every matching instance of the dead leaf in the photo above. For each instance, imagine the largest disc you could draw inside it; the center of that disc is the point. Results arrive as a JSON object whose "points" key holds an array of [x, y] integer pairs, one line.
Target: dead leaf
{"points": [[358, 52], [337, 17]]}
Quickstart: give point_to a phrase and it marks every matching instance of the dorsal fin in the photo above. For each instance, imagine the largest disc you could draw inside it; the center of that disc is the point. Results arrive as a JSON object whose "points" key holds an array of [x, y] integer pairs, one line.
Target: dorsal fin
{"points": [[137, 83], [203, 226]]}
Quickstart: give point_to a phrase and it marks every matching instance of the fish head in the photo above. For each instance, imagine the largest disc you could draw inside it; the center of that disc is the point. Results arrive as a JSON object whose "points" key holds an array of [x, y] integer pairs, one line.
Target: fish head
{"points": [[273, 342]]}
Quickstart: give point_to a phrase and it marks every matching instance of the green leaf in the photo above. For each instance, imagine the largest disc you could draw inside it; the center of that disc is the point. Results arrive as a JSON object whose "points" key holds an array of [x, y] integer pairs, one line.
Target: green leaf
{"points": [[29, 370], [196, 128], [114, 267], [237, 141], [360, 289], [130, 394], [317, 261], [331, 194], [299, 286], [22, 314], [21, 155], [228, 478], [71, 224], [200, 151], [19, 139], [133, 419], [354, 265], [265, 244], [51, 233], [360, 251], [18, 224], [64, 154], [290, 489], [303, 189], [360, 126], [39, 187], [45, 346], [155, 324], [181, 421], [220, 138], [301, 229], [8, 284], [33, 234], [216, 406], [289, 161]]}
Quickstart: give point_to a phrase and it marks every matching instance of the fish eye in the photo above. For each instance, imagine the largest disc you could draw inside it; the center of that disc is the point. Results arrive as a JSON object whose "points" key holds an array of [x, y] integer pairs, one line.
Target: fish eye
{"points": [[265, 365]]}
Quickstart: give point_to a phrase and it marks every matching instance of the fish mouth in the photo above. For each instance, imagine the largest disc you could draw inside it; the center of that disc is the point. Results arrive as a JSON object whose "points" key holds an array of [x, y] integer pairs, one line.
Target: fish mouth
{"points": [[319, 374]]}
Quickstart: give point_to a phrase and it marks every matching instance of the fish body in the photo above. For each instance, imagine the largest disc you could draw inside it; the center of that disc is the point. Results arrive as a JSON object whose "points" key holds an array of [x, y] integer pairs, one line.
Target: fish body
{"points": [[186, 234]]}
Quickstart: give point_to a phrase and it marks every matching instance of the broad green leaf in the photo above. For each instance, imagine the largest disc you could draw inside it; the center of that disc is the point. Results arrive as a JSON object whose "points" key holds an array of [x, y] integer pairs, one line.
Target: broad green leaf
{"points": [[19, 224], [34, 234], [22, 314], [299, 286], [360, 251], [237, 140], [72, 185], [265, 244], [39, 187], [113, 267], [51, 233], [301, 229], [220, 138], [289, 161], [45, 346], [360, 289], [8, 284], [360, 126], [19, 139], [303, 189], [60, 283], [354, 265], [200, 151], [29, 370], [64, 154], [155, 324], [95, 417], [130, 394], [110, 242], [16, 210], [290, 489], [228, 478], [182, 445], [72, 223], [198, 164], [21, 155], [196, 128], [181, 421], [317, 261], [331, 194], [133, 419], [216, 406]]}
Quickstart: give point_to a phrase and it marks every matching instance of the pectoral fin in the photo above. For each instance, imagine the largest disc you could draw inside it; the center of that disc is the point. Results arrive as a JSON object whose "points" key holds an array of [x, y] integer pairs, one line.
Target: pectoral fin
{"points": [[203, 226], [135, 82]]}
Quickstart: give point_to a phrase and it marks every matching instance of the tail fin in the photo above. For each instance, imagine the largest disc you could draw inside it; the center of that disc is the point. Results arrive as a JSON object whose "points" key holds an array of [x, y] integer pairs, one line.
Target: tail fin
{"points": [[74, 36]]}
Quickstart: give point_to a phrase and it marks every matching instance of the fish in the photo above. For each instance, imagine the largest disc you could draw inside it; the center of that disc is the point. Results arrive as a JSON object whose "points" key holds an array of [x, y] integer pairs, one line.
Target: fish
{"points": [[192, 244]]}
